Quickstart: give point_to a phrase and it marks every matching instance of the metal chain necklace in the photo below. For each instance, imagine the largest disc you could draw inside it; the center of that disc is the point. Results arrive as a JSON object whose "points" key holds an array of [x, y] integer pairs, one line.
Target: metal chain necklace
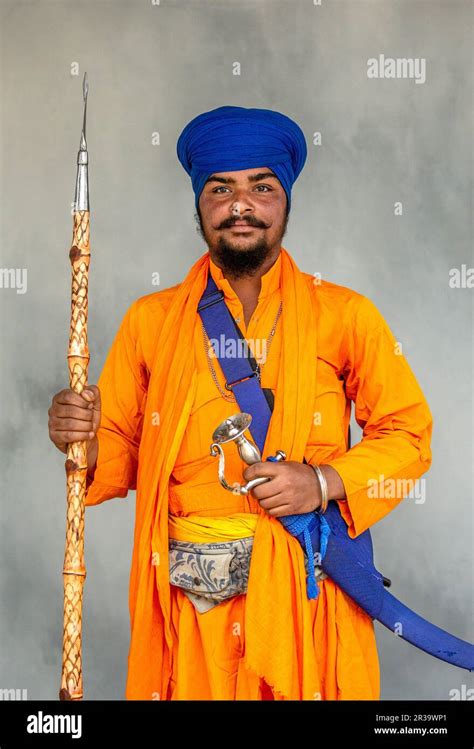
{"points": [[258, 370]]}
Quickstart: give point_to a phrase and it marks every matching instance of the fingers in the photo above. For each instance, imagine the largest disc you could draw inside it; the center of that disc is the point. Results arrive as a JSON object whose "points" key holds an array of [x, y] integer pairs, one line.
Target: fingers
{"points": [[265, 468], [62, 440], [271, 502], [72, 412], [276, 506], [267, 489], [70, 430], [74, 417], [66, 437], [71, 425], [69, 397], [67, 404], [92, 393]]}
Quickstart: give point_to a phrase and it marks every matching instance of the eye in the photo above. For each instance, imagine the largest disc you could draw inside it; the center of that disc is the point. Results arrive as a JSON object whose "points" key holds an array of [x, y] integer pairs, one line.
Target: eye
{"points": [[223, 187]]}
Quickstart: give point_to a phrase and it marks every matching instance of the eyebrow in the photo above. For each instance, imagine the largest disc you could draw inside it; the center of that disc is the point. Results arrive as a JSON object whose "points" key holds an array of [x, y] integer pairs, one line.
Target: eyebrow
{"points": [[251, 178]]}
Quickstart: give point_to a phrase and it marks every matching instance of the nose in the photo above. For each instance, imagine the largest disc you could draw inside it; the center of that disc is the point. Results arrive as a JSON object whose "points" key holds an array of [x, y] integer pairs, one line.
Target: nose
{"points": [[235, 209], [238, 208]]}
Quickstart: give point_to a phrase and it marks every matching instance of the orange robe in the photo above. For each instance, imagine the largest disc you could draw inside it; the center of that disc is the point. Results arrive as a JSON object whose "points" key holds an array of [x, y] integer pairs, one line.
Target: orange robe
{"points": [[160, 406]]}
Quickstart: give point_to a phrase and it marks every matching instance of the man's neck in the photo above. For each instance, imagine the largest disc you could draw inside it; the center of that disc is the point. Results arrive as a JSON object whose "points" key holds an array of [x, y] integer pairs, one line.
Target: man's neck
{"points": [[248, 287]]}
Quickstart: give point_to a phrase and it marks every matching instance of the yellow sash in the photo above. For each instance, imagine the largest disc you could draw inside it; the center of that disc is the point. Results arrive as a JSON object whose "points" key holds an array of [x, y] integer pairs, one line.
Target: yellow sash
{"points": [[200, 529]]}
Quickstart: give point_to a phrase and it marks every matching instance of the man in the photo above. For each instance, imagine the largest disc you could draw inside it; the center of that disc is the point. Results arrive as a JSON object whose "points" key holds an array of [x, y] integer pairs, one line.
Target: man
{"points": [[162, 393]]}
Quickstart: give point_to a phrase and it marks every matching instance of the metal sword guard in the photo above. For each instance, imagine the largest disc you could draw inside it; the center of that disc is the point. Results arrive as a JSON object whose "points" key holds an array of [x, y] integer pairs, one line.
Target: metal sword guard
{"points": [[232, 430]]}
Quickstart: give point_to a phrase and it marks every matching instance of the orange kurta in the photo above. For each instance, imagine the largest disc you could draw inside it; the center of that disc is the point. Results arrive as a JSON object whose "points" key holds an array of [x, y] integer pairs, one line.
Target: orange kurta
{"points": [[310, 649]]}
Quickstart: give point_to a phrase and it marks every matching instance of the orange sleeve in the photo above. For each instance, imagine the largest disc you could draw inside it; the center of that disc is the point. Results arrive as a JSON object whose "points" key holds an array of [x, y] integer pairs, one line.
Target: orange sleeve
{"points": [[123, 387], [390, 407]]}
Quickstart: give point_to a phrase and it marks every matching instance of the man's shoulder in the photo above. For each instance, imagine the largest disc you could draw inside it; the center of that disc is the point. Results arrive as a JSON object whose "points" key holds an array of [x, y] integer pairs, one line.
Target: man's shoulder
{"points": [[334, 295], [144, 319], [350, 308], [155, 304]]}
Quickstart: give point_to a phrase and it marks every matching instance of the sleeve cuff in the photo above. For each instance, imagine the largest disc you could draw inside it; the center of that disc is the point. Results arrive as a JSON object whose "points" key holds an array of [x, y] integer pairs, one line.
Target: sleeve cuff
{"points": [[97, 492], [361, 510], [115, 469]]}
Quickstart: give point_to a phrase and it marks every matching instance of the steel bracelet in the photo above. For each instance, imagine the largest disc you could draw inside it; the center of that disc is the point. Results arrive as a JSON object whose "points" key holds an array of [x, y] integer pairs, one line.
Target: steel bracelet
{"points": [[324, 489]]}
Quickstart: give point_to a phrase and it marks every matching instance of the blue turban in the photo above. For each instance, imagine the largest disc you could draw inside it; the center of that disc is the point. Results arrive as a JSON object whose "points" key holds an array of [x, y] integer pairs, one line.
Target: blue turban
{"points": [[228, 139]]}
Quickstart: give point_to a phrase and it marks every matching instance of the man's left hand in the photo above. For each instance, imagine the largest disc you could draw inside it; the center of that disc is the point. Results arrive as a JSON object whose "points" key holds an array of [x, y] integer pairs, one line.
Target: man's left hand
{"points": [[293, 489]]}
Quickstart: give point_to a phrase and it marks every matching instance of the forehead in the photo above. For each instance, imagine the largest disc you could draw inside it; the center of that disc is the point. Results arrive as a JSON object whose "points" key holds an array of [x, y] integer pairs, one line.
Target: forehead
{"points": [[243, 175], [245, 172]]}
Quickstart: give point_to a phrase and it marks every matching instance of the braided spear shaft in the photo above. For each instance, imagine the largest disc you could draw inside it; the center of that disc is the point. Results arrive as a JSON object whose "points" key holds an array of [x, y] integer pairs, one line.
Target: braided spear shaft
{"points": [[74, 571]]}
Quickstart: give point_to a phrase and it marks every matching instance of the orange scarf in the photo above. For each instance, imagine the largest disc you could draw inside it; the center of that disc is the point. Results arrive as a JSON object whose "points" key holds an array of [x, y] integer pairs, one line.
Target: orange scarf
{"points": [[279, 642]]}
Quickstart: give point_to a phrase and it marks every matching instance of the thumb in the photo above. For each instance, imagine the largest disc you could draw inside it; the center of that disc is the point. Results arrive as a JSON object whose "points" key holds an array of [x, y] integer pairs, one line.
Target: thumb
{"points": [[91, 394]]}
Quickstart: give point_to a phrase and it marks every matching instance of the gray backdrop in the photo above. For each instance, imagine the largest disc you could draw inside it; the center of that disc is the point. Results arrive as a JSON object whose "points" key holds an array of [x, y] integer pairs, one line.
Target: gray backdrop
{"points": [[152, 67]]}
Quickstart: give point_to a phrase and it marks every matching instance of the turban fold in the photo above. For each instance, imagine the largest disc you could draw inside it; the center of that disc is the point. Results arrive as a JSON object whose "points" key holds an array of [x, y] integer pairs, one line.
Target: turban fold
{"points": [[229, 139]]}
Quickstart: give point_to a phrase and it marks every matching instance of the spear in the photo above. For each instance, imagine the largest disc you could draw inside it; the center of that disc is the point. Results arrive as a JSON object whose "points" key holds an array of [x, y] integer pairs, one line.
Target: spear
{"points": [[74, 571]]}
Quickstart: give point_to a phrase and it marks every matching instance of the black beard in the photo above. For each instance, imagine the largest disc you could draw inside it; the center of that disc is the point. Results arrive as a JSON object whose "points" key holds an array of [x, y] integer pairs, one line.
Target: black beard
{"points": [[240, 263]]}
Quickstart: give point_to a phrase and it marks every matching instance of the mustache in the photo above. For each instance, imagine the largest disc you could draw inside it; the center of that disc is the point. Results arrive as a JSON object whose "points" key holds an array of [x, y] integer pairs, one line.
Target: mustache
{"points": [[250, 221]]}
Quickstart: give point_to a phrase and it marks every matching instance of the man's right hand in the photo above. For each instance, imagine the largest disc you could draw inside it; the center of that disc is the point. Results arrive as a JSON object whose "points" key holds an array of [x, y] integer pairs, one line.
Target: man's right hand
{"points": [[75, 418]]}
